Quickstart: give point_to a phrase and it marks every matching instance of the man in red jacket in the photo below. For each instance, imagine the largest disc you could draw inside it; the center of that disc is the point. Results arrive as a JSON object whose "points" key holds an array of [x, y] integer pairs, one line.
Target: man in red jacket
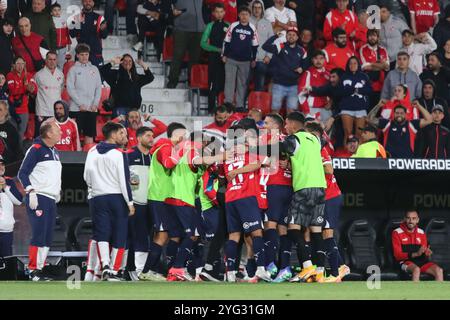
{"points": [[411, 248]]}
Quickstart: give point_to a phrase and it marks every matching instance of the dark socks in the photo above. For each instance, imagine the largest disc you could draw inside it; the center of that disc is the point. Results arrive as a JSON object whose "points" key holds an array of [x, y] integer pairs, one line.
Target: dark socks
{"points": [[183, 253], [285, 251], [153, 257], [318, 251], [171, 252], [333, 255], [258, 249], [230, 255], [270, 245], [251, 267]]}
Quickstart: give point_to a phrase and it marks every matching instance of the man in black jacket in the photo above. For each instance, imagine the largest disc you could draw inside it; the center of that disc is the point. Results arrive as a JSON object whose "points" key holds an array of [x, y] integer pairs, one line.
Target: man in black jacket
{"points": [[441, 32], [439, 74], [429, 99], [433, 141], [9, 137]]}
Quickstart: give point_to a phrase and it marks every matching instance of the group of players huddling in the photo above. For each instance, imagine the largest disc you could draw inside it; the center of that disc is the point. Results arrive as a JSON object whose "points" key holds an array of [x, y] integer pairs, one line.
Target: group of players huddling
{"points": [[259, 191]]}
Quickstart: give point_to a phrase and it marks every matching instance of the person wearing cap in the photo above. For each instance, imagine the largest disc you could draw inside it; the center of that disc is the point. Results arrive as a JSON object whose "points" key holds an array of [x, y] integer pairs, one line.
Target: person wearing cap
{"points": [[9, 197], [439, 74], [399, 135], [287, 64], [6, 54], [433, 141], [417, 50], [370, 148], [349, 149]]}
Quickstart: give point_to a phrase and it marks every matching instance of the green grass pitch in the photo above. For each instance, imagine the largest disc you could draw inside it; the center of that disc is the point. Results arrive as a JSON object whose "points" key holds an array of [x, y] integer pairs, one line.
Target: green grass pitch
{"points": [[223, 291]]}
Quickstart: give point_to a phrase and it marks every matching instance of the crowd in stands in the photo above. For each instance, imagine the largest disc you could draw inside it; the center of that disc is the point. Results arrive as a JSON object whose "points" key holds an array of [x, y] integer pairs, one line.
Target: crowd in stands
{"points": [[323, 58]]}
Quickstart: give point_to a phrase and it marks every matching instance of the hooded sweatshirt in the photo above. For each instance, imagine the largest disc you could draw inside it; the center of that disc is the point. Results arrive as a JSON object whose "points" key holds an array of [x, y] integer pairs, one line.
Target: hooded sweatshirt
{"points": [[6, 54], [396, 77], [41, 170], [441, 80], [430, 103], [355, 89], [70, 139], [441, 32], [107, 172], [264, 30]]}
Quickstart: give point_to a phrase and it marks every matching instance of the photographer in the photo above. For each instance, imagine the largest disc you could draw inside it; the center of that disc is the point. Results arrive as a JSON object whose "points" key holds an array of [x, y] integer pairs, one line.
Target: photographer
{"points": [[21, 87]]}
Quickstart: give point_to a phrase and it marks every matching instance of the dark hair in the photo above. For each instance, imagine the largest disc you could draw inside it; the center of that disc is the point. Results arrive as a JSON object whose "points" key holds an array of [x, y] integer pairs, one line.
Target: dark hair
{"points": [[338, 71], [318, 53], [296, 116], [404, 87], [50, 52], [217, 5], [82, 48], [55, 5], [229, 106], [111, 127], [133, 71], [385, 4], [142, 130], [244, 8], [338, 32], [277, 118], [437, 55], [400, 106], [411, 209], [314, 127], [17, 58], [371, 32], [403, 53], [172, 127], [220, 109], [8, 21]]}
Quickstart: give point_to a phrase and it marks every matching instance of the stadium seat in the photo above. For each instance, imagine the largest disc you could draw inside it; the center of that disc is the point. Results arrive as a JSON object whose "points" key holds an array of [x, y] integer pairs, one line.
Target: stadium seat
{"points": [[167, 54], [260, 100], [119, 11], [88, 146], [106, 91], [65, 95], [83, 233], [198, 81], [362, 249], [438, 234], [152, 53], [60, 242]]}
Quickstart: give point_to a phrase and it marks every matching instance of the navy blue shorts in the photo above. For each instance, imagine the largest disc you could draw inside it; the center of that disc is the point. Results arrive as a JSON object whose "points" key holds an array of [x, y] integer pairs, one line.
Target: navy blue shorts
{"points": [[42, 221], [185, 221], [243, 215], [162, 217], [6, 243], [279, 198], [333, 208], [139, 229], [210, 223]]}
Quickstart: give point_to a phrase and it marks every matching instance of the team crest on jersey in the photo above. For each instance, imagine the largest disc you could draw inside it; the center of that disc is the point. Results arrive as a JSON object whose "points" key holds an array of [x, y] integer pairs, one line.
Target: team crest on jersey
{"points": [[319, 220], [39, 213]]}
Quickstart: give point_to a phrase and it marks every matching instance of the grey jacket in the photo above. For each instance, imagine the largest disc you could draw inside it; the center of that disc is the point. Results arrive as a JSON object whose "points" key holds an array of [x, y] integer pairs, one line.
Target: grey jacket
{"points": [[84, 86], [264, 30], [192, 19], [395, 77], [391, 35]]}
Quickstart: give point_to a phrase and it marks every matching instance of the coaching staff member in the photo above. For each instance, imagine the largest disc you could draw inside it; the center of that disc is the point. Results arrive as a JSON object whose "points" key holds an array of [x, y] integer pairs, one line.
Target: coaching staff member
{"points": [[40, 175], [107, 175]]}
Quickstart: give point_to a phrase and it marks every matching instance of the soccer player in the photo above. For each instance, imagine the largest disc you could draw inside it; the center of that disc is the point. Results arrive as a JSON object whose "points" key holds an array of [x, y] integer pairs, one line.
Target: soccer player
{"points": [[138, 231], [70, 139], [107, 176], [40, 175], [242, 210], [306, 210]]}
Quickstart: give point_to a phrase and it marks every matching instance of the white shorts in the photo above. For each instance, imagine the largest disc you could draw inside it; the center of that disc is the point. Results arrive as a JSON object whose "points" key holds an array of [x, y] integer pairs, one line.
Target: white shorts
{"points": [[355, 114]]}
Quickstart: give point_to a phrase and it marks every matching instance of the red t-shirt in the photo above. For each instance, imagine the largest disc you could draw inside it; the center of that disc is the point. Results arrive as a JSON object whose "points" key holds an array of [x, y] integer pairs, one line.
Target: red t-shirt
{"points": [[424, 11], [332, 190], [337, 57], [277, 175], [243, 185], [335, 19], [70, 140], [368, 54]]}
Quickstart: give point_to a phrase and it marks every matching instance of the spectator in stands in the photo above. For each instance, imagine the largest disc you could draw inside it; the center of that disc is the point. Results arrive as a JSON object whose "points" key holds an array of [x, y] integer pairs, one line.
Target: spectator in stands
{"points": [[446, 55], [439, 74], [369, 148], [90, 28], [50, 83], [337, 53], [126, 83], [399, 134], [84, 87], [212, 42], [286, 67], [282, 18], [239, 54], [265, 31], [349, 149], [3, 8], [28, 45], [133, 121], [306, 42], [401, 96], [362, 5], [305, 11], [21, 86], [257, 115], [340, 18], [375, 63], [63, 40], [411, 249], [360, 37], [417, 50], [187, 34], [230, 7], [6, 54], [316, 76], [391, 32], [355, 86], [424, 15], [430, 99], [402, 74], [441, 33], [433, 141], [220, 124], [70, 139], [150, 19], [42, 22], [9, 137], [9, 196], [130, 17], [3, 87]]}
